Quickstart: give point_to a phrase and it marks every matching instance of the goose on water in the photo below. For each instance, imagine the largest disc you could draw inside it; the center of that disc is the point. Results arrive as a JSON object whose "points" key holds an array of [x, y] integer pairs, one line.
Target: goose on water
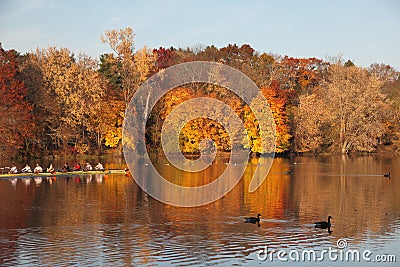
{"points": [[324, 224], [253, 219]]}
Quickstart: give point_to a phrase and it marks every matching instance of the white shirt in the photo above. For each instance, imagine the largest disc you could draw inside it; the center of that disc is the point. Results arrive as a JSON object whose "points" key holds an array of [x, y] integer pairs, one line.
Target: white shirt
{"points": [[99, 166], [14, 169], [26, 169], [38, 169]]}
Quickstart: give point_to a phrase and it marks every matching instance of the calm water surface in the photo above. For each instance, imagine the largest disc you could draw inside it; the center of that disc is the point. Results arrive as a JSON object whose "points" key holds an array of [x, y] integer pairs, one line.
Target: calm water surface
{"points": [[108, 220]]}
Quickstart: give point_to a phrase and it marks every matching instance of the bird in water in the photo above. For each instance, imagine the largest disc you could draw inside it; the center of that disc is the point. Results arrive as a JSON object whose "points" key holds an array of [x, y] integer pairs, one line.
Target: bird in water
{"points": [[324, 224], [253, 219], [387, 175]]}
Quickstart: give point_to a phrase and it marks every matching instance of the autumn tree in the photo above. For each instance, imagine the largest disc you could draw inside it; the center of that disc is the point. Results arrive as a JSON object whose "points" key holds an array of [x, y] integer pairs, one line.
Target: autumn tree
{"points": [[111, 117], [391, 89], [69, 93], [210, 53], [125, 72], [165, 57], [344, 114], [133, 68], [313, 124], [277, 100], [32, 77], [302, 74], [85, 102], [15, 112], [263, 67], [198, 129], [384, 72]]}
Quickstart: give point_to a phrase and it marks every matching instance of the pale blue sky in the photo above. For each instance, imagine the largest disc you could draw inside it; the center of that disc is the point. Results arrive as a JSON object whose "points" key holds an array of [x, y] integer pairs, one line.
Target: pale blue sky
{"points": [[365, 31]]}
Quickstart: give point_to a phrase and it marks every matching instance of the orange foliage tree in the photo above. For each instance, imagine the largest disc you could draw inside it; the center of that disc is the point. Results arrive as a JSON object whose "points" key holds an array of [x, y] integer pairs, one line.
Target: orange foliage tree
{"points": [[277, 100]]}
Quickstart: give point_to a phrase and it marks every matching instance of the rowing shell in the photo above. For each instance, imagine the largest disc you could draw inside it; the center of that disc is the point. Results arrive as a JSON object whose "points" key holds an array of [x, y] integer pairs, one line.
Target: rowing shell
{"points": [[47, 174]]}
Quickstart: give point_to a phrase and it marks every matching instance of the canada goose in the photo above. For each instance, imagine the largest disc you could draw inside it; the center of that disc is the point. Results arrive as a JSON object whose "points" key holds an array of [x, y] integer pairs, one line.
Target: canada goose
{"points": [[253, 219], [324, 224], [387, 175]]}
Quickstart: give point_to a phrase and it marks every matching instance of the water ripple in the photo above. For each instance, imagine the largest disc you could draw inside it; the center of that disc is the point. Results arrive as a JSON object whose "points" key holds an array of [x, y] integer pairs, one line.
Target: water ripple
{"points": [[71, 222]]}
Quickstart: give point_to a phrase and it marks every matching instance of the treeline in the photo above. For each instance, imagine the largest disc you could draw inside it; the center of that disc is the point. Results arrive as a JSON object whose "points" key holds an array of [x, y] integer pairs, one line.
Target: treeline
{"points": [[52, 100]]}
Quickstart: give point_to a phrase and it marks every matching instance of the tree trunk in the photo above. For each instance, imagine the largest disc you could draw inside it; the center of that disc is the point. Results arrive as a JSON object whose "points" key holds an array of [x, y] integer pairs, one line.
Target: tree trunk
{"points": [[346, 147]]}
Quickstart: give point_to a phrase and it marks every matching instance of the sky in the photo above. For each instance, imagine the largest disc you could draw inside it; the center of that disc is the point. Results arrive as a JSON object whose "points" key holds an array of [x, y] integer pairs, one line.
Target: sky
{"points": [[366, 31]]}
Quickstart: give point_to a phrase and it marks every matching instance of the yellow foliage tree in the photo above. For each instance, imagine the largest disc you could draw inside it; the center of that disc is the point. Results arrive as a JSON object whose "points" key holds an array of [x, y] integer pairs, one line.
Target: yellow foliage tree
{"points": [[71, 94], [277, 103], [134, 68]]}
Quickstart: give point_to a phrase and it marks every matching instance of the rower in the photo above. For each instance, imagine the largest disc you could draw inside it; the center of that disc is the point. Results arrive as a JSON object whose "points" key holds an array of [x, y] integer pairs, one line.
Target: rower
{"points": [[50, 169], [13, 169], [99, 167], [26, 169], [38, 169], [66, 167], [77, 167], [88, 167]]}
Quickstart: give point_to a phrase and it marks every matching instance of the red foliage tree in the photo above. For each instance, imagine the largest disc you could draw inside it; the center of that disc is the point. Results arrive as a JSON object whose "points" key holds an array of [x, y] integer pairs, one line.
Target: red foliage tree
{"points": [[15, 111], [166, 57], [306, 73]]}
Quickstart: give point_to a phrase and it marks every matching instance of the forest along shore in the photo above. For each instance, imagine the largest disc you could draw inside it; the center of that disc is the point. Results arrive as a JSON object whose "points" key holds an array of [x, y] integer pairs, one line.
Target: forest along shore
{"points": [[76, 104]]}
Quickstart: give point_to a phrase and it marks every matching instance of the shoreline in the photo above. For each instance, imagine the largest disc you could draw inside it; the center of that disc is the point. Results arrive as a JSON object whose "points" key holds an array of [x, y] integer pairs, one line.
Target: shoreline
{"points": [[119, 156]]}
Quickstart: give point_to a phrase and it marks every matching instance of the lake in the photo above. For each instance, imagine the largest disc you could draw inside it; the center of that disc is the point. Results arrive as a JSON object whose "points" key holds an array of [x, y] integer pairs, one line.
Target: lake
{"points": [[108, 220]]}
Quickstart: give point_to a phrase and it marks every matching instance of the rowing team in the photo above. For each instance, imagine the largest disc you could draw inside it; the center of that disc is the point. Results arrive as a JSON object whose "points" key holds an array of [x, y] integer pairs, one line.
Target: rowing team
{"points": [[50, 169]]}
